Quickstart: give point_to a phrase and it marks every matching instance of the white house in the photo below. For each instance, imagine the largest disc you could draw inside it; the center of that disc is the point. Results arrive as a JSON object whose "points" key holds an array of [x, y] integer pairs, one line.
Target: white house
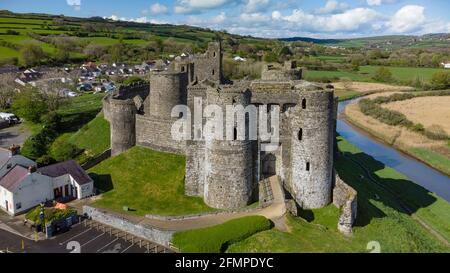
{"points": [[69, 180], [446, 65], [22, 187]]}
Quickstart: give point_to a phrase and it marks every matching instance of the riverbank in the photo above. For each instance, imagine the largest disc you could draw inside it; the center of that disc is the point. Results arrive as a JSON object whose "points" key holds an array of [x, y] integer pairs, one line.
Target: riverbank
{"points": [[430, 152], [400, 215]]}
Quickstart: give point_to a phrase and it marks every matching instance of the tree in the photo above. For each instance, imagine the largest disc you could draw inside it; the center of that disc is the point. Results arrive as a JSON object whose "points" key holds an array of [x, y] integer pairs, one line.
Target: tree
{"points": [[7, 87], [32, 54], [30, 104], [440, 80], [62, 150], [383, 75], [94, 51]]}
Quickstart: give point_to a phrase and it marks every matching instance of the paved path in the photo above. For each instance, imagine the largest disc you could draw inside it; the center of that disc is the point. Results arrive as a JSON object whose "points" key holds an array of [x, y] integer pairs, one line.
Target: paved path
{"points": [[275, 212], [13, 135]]}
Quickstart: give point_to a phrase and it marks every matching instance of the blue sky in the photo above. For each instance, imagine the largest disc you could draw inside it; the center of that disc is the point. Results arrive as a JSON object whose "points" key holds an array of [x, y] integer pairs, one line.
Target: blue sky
{"points": [[265, 18]]}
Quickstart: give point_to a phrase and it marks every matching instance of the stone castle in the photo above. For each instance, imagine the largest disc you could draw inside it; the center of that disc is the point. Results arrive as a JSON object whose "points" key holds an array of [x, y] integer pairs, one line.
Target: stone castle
{"points": [[226, 174]]}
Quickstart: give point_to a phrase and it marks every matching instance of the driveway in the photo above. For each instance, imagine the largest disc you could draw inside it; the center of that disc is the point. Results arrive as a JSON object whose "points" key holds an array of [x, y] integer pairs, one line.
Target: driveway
{"points": [[16, 134]]}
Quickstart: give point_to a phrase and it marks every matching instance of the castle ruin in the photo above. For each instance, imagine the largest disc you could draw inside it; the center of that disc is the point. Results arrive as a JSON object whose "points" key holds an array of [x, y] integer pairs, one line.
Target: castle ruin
{"points": [[226, 173]]}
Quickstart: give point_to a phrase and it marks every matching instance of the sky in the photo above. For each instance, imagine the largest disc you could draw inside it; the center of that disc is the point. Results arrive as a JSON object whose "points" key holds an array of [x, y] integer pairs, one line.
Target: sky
{"points": [[264, 18]]}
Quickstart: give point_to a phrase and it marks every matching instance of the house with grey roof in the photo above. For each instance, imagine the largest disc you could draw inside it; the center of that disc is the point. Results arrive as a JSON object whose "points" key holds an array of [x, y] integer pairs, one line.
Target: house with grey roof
{"points": [[23, 186]]}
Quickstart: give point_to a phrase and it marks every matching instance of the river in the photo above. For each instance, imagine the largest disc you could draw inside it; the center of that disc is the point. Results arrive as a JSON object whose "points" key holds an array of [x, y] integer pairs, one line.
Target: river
{"points": [[416, 171]]}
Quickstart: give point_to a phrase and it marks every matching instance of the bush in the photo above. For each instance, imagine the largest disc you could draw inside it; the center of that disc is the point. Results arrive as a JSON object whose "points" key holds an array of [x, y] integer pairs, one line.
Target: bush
{"points": [[52, 120], [45, 160], [131, 80], [436, 132], [50, 214], [383, 75], [37, 145], [61, 150], [30, 104], [216, 239], [440, 80]]}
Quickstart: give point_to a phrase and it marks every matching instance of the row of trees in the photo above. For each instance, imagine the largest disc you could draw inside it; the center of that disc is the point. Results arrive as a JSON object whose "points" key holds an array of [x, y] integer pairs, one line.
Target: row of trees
{"points": [[404, 57]]}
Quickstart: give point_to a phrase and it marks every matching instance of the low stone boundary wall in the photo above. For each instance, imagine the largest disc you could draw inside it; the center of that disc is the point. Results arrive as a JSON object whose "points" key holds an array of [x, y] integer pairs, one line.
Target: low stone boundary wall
{"points": [[96, 160], [162, 237], [199, 215], [345, 198]]}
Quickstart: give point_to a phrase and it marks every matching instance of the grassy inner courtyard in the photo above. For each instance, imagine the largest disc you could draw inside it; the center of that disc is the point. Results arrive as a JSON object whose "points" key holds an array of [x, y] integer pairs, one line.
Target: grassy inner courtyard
{"points": [[147, 182]]}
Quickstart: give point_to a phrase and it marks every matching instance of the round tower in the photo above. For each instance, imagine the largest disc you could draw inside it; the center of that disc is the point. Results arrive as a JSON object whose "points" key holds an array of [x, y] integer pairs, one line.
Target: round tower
{"points": [[123, 125], [167, 89], [312, 125], [228, 163]]}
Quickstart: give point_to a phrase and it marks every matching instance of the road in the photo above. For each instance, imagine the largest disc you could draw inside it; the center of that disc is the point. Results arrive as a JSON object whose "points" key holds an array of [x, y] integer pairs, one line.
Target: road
{"points": [[84, 239], [13, 135]]}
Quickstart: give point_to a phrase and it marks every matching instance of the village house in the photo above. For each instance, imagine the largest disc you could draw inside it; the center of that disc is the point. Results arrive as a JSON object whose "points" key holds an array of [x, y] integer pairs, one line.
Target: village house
{"points": [[446, 65], [23, 186]]}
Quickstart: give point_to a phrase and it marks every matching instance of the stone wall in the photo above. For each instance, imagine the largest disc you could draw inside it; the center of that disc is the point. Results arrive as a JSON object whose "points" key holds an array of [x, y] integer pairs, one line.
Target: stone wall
{"points": [[162, 237], [96, 160], [345, 198], [312, 149], [156, 134], [122, 117]]}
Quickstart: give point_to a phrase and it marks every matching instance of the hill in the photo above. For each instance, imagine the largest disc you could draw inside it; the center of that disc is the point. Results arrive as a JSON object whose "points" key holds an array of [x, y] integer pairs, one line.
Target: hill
{"points": [[66, 39], [439, 40]]}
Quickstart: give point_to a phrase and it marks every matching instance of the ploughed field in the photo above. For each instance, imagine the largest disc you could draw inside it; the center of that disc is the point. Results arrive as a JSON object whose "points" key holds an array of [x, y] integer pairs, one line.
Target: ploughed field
{"points": [[425, 110]]}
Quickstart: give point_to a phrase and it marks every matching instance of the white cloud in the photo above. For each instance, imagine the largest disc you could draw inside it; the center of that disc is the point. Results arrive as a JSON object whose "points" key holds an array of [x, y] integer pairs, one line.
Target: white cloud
{"points": [[219, 19], [254, 17], [349, 20], [407, 19], [253, 6], [142, 19], [76, 4], [333, 6], [158, 8], [197, 6], [379, 2]]}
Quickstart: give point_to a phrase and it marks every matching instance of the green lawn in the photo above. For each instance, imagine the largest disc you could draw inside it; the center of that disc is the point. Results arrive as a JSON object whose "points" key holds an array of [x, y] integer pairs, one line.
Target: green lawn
{"points": [[146, 181], [6, 52], [93, 138], [380, 218], [432, 158], [217, 238]]}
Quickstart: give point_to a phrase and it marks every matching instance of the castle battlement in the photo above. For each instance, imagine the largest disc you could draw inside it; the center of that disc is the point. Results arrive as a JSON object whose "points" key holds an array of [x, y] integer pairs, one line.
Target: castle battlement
{"points": [[225, 173]]}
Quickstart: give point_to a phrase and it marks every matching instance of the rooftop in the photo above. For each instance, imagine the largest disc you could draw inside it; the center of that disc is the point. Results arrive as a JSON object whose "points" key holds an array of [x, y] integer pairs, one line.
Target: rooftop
{"points": [[69, 167]]}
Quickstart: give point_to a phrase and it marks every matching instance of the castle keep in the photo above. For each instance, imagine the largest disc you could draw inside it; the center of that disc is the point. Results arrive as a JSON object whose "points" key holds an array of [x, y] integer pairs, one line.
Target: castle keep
{"points": [[226, 173]]}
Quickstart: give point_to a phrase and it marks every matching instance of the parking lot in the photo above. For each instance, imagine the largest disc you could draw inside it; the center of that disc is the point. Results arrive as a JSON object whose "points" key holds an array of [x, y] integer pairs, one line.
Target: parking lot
{"points": [[85, 237]]}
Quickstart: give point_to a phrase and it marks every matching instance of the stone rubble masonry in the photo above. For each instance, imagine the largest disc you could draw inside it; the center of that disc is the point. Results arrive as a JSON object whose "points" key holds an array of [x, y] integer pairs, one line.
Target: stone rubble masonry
{"points": [[159, 236], [226, 174], [345, 198]]}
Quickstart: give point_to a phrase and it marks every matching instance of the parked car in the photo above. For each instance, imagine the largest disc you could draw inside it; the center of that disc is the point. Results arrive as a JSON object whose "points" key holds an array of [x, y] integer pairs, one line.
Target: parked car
{"points": [[85, 87], [11, 118]]}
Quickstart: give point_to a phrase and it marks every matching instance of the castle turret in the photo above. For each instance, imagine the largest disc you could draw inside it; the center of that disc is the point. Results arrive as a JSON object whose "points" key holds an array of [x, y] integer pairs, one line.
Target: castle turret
{"points": [[122, 115], [209, 65], [229, 180], [312, 125], [168, 89]]}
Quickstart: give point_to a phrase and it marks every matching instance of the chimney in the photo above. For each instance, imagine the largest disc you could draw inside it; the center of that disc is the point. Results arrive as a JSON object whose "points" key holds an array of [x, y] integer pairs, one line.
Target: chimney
{"points": [[14, 150], [31, 169]]}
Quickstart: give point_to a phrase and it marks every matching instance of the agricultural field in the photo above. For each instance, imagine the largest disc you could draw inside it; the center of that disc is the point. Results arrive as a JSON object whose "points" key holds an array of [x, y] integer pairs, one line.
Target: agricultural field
{"points": [[417, 111], [366, 73], [431, 150]]}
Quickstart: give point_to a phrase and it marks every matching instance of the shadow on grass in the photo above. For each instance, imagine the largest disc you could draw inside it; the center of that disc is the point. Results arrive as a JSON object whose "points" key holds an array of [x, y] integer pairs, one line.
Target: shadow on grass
{"points": [[74, 122], [103, 182], [393, 193]]}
